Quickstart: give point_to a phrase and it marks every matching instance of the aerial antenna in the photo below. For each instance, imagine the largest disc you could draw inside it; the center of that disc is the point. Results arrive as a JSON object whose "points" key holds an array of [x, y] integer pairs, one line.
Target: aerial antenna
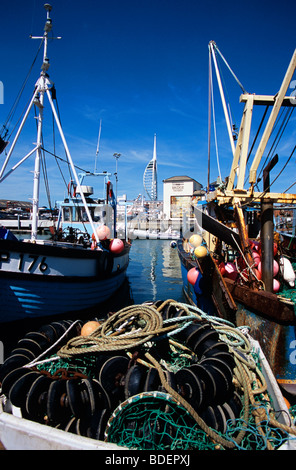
{"points": [[98, 146], [47, 27]]}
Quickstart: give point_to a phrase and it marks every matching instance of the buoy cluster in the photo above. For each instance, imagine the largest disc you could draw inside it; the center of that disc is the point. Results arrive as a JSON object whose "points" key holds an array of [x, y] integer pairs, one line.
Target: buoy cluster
{"points": [[233, 265], [82, 402], [114, 245], [237, 269], [198, 246]]}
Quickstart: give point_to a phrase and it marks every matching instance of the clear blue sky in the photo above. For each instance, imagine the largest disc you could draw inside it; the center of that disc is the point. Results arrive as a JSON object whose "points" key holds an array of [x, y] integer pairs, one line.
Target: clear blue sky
{"points": [[141, 66]]}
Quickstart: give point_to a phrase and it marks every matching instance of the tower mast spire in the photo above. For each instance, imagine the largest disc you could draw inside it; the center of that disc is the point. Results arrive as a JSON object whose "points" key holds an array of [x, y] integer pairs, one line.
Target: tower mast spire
{"points": [[150, 176]]}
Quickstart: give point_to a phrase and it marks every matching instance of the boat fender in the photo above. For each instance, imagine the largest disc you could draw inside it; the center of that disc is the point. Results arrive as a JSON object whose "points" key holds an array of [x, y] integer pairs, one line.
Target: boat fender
{"points": [[231, 271], [116, 245], [256, 257], [287, 271], [275, 268], [103, 232], [201, 251], [195, 240], [276, 285], [192, 275], [221, 268], [72, 189], [89, 327]]}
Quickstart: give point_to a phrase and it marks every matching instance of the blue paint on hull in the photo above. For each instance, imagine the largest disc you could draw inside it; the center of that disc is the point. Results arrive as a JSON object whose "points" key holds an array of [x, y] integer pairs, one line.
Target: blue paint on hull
{"points": [[21, 299]]}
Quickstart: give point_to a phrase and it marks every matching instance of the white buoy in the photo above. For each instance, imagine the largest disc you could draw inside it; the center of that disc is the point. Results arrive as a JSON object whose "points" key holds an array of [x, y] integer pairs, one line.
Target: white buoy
{"points": [[287, 271]]}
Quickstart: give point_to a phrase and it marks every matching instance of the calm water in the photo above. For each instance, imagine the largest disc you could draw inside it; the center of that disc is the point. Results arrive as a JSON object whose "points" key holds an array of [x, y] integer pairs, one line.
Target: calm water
{"points": [[154, 271]]}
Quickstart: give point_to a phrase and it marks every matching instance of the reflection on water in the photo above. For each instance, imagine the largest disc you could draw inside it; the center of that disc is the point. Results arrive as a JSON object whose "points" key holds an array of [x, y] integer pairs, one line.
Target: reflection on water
{"points": [[154, 271]]}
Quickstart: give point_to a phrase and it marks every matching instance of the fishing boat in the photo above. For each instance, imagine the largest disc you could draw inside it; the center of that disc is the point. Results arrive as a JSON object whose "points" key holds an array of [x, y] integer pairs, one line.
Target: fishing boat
{"points": [[236, 265], [285, 226], [76, 269], [158, 376]]}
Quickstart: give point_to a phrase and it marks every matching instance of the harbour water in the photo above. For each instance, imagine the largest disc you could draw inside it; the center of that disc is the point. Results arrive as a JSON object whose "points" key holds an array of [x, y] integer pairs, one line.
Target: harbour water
{"points": [[154, 273]]}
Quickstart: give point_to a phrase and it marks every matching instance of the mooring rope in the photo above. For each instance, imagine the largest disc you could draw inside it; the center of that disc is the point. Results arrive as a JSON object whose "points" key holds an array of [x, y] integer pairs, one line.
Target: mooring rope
{"points": [[144, 324], [126, 329]]}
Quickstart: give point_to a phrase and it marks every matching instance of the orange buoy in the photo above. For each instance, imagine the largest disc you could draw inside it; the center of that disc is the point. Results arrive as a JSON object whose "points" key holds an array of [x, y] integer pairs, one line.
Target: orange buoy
{"points": [[192, 275], [195, 240], [200, 251], [103, 232], [231, 271], [256, 257], [276, 285], [116, 245], [275, 267], [89, 327], [221, 268]]}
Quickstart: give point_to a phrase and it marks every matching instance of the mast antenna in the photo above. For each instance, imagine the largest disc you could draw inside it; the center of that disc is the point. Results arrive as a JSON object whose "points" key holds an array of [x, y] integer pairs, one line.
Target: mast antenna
{"points": [[48, 24], [98, 146]]}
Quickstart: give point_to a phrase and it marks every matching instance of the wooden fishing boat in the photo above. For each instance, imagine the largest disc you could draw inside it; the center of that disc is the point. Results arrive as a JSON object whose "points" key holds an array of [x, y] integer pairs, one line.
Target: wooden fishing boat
{"points": [[76, 269], [250, 294]]}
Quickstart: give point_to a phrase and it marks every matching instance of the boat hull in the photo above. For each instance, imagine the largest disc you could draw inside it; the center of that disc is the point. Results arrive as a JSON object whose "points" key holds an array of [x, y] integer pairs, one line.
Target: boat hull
{"points": [[44, 280], [271, 321]]}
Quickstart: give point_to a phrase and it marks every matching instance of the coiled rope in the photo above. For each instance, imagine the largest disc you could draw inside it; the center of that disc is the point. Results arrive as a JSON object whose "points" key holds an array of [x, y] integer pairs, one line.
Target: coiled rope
{"points": [[141, 324], [126, 329]]}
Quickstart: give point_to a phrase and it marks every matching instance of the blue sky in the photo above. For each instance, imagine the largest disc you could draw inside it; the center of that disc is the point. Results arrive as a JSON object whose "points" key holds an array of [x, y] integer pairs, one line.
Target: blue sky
{"points": [[141, 67]]}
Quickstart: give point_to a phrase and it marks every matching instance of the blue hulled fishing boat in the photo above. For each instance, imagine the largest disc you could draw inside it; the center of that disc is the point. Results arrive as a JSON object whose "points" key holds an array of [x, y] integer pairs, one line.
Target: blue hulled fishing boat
{"points": [[82, 265]]}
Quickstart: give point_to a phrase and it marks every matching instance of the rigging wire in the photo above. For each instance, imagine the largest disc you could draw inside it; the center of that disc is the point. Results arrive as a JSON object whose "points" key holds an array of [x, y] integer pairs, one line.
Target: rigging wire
{"points": [[214, 125], [63, 160], [59, 116], [278, 137], [43, 164], [282, 122], [229, 68], [227, 95], [279, 173], [5, 127], [215, 51], [274, 180], [291, 186]]}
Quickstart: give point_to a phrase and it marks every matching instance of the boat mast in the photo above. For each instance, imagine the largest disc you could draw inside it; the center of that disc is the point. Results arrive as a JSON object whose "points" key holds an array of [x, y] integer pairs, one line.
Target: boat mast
{"points": [[212, 47], [42, 85]]}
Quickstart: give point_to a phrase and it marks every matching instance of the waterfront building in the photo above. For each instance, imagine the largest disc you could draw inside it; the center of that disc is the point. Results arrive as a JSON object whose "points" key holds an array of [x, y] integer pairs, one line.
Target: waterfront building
{"points": [[178, 195]]}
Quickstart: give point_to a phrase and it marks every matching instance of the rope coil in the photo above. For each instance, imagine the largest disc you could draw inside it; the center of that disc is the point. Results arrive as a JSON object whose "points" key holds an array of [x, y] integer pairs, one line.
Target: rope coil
{"points": [[138, 332], [144, 324]]}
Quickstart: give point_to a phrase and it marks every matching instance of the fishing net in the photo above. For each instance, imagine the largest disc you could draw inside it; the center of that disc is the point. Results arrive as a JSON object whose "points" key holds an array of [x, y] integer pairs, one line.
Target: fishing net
{"points": [[167, 417], [155, 421]]}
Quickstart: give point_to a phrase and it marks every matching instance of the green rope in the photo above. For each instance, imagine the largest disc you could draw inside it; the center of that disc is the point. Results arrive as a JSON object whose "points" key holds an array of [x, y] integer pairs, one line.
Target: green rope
{"points": [[166, 420]]}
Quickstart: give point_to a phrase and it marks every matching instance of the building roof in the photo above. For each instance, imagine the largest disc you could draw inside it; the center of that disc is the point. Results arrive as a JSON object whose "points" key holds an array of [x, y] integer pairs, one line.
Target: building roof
{"points": [[180, 178], [6, 203]]}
